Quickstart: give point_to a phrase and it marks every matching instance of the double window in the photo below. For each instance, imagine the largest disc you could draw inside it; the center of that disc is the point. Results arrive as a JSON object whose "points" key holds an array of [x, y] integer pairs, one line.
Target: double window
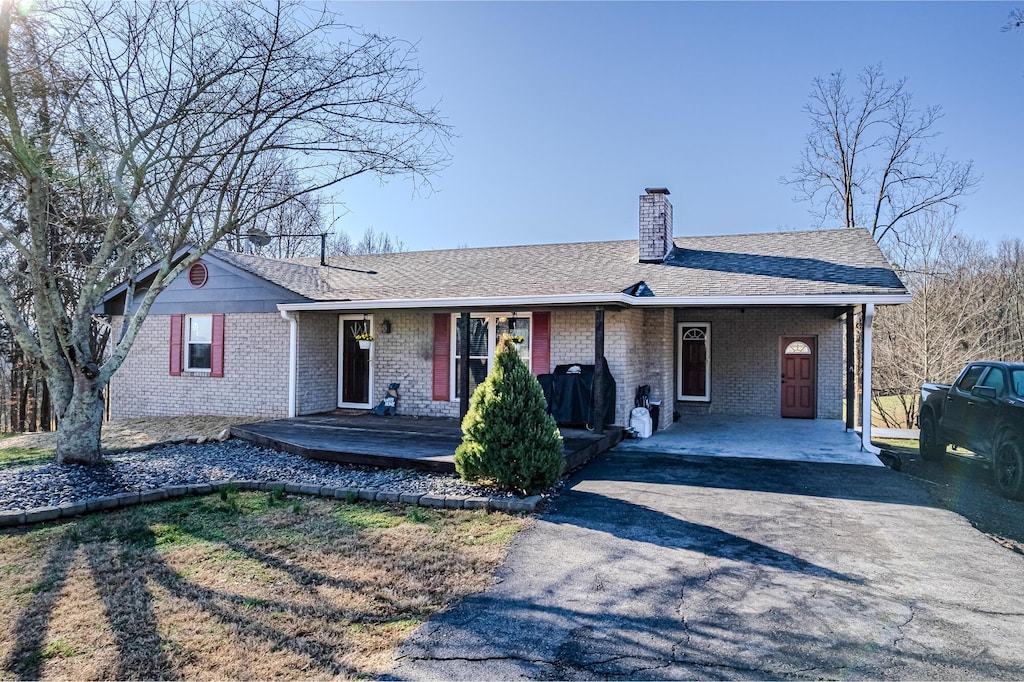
{"points": [[485, 330], [693, 371], [198, 343]]}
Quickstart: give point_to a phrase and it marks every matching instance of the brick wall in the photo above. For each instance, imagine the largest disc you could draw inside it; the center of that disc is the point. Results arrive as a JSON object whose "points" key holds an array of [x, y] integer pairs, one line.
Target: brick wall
{"points": [[255, 380], [406, 355], [746, 364], [658, 325], [640, 347], [316, 363], [637, 347]]}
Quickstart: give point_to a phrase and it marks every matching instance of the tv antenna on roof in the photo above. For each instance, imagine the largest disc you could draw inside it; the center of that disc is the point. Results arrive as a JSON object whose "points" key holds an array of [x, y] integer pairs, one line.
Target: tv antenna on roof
{"points": [[262, 238], [258, 237]]}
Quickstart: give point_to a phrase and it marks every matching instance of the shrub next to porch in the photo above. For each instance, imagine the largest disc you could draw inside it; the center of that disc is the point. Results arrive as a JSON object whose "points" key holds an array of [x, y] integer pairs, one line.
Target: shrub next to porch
{"points": [[508, 436]]}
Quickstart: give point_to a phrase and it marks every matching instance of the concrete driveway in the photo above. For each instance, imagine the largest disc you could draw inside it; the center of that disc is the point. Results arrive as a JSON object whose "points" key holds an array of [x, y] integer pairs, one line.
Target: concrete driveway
{"points": [[796, 440], [667, 566]]}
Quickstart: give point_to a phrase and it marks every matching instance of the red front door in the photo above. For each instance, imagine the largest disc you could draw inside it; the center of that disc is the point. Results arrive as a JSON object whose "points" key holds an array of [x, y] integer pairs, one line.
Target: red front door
{"points": [[798, 377]]}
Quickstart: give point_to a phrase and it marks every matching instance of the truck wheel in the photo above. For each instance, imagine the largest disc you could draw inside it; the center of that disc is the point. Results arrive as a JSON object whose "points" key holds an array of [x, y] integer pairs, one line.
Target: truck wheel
{"points": [[1008, 467], [928, 444]]}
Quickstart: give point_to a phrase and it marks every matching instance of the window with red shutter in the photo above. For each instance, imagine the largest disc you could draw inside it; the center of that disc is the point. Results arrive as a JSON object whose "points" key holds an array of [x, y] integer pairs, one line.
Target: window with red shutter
{"points": [[485, 330], [541, 348], [442, 357], [177, 322], [217, 347]]}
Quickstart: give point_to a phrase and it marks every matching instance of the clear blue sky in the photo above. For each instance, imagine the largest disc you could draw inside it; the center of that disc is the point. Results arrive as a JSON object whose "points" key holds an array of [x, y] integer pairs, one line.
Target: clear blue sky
{"points": [[565, 111]]}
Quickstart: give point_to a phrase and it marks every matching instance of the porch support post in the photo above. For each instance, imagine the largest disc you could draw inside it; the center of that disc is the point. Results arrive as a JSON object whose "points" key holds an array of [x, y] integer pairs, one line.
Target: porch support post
{"points": [[464, 370], [292, 354], [865, 433], [851, 372], [598, 391]]}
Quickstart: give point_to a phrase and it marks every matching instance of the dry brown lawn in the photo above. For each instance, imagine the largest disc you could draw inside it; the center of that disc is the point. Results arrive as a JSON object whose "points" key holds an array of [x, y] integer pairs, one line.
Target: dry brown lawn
{"points": [[237, 586], [120, 434]]}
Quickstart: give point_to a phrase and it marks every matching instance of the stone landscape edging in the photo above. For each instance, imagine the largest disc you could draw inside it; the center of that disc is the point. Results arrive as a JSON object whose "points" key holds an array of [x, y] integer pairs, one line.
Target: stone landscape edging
{"points": [[24, 517]]}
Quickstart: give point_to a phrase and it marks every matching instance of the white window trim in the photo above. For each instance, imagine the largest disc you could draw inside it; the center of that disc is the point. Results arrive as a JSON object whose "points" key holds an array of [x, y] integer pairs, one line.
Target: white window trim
{"points": [[492, 342], [706, 398], [188, 342], [342, 319]]}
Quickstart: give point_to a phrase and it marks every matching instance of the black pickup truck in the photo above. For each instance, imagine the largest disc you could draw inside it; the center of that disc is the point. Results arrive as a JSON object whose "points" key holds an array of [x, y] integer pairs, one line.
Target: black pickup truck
{"points": [[983, 411]]}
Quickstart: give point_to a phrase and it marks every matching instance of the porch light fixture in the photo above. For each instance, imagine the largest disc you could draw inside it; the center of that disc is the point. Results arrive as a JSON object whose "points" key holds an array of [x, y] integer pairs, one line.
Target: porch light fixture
{"points": [[385, 326]]}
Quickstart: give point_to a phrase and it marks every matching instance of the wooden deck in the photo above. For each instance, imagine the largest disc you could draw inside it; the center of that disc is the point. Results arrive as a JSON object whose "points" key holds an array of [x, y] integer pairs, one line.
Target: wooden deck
{"points": [[399, 442]]}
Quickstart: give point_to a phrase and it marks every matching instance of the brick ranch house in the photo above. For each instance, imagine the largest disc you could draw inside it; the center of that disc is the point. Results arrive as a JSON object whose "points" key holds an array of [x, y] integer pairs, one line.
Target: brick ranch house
{"points": [[752, 324]]}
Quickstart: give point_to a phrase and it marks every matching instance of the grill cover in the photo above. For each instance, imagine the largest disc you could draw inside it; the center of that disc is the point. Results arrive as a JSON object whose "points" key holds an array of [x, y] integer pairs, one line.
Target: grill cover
{"points": [[570, 396]]}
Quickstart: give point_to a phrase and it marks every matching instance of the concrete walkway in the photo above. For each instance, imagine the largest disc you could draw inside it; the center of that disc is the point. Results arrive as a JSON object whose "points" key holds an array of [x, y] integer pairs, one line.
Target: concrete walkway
{"points": [[659, 566], [794, 440]]}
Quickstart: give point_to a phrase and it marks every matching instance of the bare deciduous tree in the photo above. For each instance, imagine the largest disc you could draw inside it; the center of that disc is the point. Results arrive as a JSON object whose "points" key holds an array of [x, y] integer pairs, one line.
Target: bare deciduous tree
{"points": [[968, 304], [1015, 21], [867, 162], [376, 242], [127, 128]]}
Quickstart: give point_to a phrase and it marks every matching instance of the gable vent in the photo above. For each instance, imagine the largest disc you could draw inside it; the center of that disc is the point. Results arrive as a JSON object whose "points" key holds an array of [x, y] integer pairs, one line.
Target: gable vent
{"points": [[197, 275]]}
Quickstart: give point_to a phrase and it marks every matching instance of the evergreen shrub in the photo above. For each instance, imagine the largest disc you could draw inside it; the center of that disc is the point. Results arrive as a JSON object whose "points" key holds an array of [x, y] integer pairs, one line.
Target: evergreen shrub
{"points": [[508, 435]]}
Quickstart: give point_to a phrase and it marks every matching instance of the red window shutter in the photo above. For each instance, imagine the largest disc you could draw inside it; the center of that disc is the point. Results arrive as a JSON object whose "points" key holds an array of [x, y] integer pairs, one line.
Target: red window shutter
{"points": [[442, 355], [217, 347], [540, 348], [177, 323]]}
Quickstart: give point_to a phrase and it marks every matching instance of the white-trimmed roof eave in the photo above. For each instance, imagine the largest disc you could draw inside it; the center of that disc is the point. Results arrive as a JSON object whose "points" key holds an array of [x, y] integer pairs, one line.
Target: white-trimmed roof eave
{"points": [[613, 299]]}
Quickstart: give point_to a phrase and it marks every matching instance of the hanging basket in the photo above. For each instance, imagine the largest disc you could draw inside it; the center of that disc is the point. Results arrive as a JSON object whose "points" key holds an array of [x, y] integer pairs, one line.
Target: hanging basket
{"points": [[366, 345]]}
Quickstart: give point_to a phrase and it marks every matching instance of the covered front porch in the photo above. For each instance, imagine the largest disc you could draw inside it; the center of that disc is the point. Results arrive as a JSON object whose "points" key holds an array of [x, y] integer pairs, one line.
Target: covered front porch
{"points": [[755, 437], [394, 442]]}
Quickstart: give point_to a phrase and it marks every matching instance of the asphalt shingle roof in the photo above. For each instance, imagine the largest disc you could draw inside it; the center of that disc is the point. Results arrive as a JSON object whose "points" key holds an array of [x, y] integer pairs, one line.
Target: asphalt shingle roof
{"points": [[845, 261]]}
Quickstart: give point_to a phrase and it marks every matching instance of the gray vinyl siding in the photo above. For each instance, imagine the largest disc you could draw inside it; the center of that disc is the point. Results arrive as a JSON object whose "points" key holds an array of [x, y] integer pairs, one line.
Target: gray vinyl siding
{"points": [[227, 290]]}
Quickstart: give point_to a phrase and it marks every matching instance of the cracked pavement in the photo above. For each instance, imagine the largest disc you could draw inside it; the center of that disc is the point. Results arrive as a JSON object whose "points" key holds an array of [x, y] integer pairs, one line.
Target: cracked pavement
{"points": [[657, 566]]}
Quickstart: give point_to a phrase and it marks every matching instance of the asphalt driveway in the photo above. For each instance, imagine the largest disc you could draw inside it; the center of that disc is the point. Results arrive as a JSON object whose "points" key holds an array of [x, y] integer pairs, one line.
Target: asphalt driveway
{"points": [[665, 566]]}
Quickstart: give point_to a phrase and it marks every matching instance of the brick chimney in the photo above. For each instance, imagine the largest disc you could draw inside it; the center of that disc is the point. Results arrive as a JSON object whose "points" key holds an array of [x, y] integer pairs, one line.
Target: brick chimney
{"points": [[655, 225]]}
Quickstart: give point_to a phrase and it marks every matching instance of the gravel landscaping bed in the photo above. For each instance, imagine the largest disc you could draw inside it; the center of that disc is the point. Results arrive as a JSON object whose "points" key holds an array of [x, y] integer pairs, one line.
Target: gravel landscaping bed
{"points": [[49, 485]]}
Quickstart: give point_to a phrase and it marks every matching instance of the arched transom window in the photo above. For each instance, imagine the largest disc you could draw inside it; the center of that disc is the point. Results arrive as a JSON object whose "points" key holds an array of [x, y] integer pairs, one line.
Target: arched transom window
{"points": [[694, 334], [798, 348]]}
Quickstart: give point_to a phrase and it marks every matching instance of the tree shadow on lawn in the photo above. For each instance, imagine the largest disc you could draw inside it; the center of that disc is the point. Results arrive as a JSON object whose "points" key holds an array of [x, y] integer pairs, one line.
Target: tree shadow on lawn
{"points": [[127, 606], [26, 656], [123, 562]]}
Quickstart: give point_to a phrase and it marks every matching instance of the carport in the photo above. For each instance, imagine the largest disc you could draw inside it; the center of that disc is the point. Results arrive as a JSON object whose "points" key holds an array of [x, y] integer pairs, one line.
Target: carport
{"points": [[797, 440]]}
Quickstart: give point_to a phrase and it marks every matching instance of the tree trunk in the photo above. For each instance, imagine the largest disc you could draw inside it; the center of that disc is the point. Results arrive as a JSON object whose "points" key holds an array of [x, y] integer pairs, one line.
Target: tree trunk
{"points": [[45, 414], [32, 401], [22, 401], [78, 429]]}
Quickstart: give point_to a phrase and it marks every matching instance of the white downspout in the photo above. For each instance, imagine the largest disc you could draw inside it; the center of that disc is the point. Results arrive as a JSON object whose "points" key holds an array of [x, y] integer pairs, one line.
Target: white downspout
{"points": [[865, 433], [293, 334]]}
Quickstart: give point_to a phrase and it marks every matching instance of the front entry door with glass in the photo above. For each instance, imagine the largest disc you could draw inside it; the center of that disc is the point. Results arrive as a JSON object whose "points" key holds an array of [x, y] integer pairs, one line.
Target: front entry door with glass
{"points": [[355, 363], [798, 377]]}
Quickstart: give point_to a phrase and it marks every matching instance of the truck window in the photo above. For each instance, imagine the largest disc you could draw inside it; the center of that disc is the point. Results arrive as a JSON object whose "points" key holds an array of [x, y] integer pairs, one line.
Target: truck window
{"points": [[970, 378], [995, 379], [1018, 382]]}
